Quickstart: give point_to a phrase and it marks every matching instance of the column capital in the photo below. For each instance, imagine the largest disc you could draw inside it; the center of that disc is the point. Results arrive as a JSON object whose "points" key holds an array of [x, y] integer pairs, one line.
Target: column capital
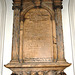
{"points": [[16, 7], [57, 4], [16, 4]]}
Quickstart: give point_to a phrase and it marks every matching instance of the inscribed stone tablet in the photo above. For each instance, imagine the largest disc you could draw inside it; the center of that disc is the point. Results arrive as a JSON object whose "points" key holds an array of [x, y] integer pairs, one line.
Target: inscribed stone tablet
{"points": [[37, 43]]}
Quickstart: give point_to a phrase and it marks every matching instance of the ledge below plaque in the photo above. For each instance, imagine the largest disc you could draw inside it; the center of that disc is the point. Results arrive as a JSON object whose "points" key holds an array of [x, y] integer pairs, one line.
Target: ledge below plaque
{"points": [[37, 66]]}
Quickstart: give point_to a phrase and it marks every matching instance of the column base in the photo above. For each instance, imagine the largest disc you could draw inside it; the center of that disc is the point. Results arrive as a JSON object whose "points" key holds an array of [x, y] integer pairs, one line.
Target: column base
{"points": [[14, 61], [62, 61]]}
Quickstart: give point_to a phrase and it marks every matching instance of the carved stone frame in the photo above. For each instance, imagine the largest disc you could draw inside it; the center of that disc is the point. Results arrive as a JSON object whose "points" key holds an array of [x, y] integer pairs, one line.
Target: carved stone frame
{"points": [[23, 12]]}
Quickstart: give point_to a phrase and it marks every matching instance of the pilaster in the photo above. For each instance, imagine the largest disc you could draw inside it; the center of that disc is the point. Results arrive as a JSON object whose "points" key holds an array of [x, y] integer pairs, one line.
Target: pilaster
{"points": [[16, 31], [59, 30]]}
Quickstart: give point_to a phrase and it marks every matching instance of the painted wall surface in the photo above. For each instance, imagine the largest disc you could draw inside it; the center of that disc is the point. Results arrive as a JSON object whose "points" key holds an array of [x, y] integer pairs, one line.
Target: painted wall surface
{"points": [[67, 37], [8, 37], [72, 27], [2, 31]]}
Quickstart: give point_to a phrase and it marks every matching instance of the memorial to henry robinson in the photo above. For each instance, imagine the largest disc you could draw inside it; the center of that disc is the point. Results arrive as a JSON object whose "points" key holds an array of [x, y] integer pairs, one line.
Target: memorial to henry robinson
{"points": [[37, 44]]}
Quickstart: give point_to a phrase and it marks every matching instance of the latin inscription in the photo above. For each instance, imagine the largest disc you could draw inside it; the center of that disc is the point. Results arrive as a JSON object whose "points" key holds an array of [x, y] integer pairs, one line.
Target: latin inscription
{"points": [[37, 36]]}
